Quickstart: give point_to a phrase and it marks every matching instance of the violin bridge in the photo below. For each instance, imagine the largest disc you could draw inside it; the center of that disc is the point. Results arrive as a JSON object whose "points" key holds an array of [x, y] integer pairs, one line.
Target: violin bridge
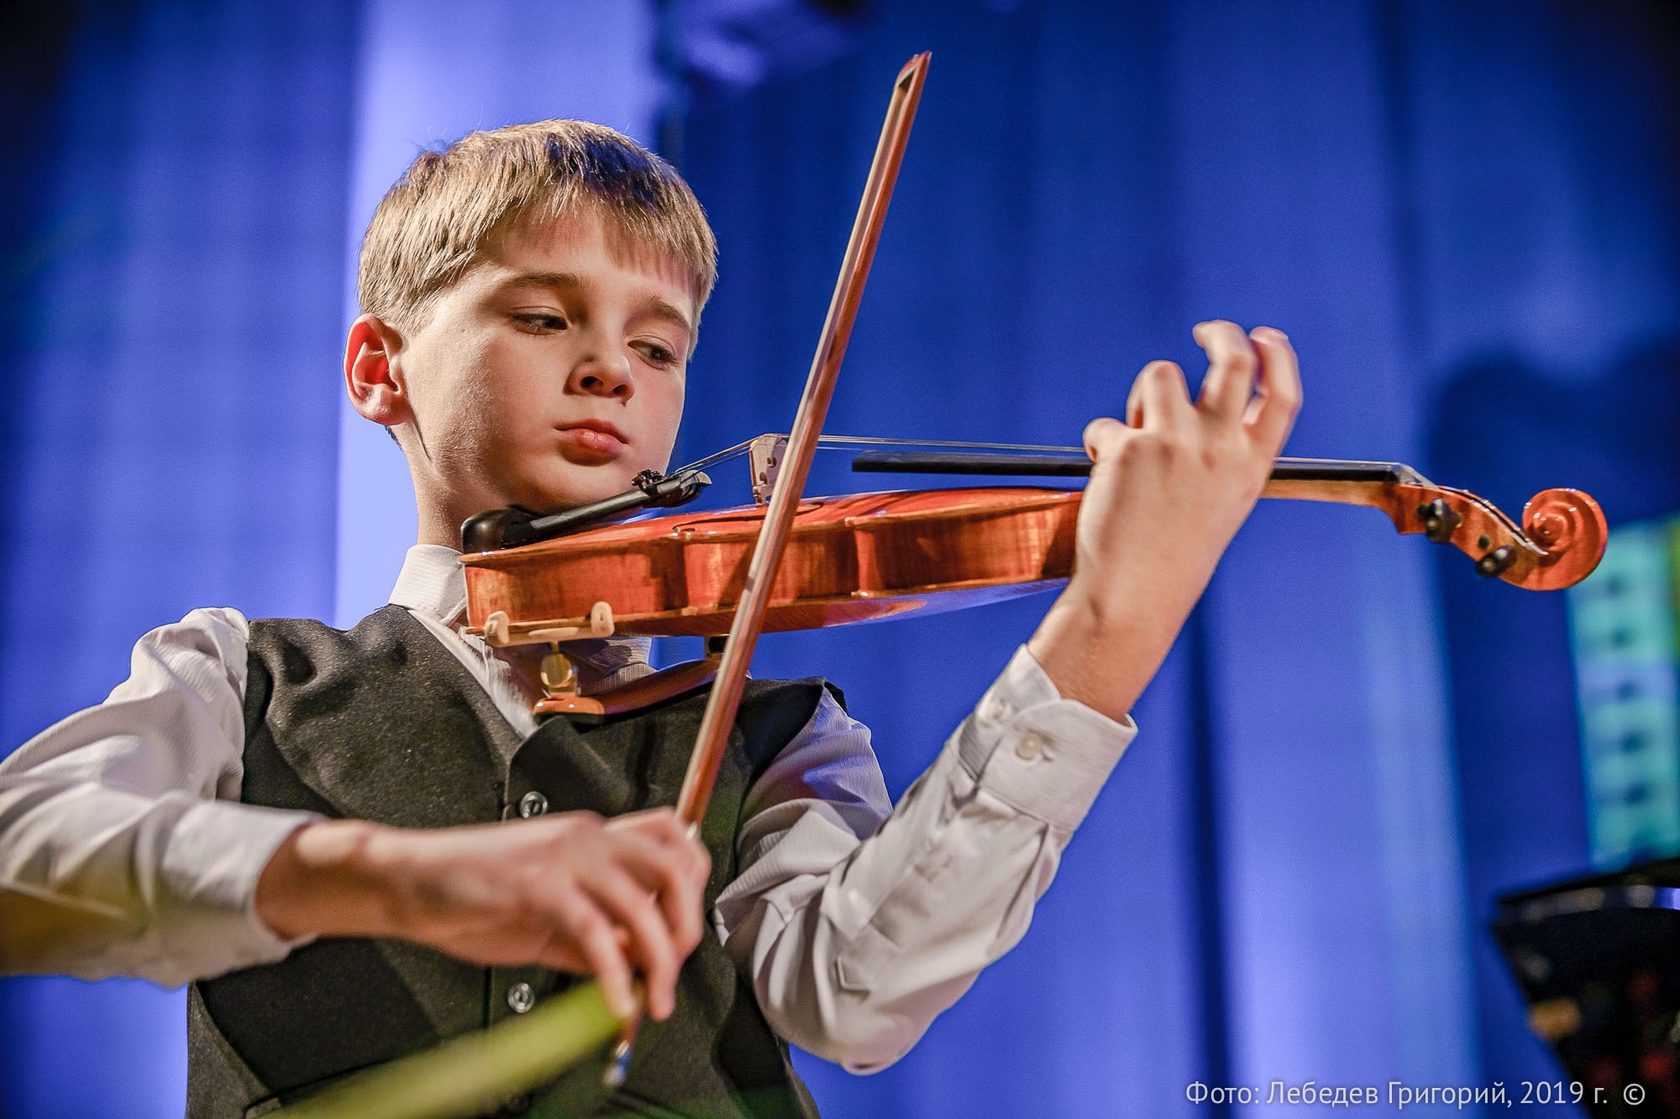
{"points": [[765, 453]]}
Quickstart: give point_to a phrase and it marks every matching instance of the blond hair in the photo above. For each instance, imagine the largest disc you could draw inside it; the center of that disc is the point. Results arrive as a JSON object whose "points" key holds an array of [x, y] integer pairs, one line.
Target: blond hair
{"points": [[433, 224]]}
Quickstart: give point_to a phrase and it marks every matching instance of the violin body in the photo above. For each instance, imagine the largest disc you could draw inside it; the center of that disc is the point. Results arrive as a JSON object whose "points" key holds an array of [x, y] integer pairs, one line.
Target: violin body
{"points": [[858, 558]]}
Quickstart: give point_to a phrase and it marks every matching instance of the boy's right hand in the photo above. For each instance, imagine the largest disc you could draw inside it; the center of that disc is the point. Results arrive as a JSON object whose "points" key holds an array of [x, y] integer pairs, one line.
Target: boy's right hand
{"points": [[572, 891]]}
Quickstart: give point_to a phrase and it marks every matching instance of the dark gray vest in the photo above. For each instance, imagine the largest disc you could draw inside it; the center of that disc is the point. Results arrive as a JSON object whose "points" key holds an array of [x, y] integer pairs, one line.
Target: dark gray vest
{"points": [[383, 723]]}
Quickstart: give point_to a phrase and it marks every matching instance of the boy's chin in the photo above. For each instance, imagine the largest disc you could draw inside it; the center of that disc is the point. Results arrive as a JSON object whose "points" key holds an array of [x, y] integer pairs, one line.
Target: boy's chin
{"points": [[578, 486]]}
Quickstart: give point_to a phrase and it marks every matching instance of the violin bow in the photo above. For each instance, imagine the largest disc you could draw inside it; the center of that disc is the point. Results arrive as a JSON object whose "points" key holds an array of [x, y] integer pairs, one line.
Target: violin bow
{"points": [[468, 1073], [725, 699], [795, 465]]}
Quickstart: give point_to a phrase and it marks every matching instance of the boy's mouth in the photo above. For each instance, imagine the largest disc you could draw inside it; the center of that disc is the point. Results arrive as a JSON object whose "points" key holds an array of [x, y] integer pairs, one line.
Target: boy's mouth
{"points": [[591, 440]]}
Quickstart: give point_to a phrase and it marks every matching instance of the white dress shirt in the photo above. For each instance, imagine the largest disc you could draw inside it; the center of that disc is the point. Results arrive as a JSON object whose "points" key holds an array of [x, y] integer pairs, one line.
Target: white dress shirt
{"points": [[124, 848]]}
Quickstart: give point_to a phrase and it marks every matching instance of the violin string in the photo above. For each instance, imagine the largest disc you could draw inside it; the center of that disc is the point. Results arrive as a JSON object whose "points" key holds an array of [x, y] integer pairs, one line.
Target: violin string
{"points": [[835, 442], [838, 442]]}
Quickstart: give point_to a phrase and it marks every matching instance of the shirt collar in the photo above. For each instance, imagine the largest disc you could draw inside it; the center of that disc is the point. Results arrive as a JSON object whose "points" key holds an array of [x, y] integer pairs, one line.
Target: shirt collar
{"points": [[432, 582]]}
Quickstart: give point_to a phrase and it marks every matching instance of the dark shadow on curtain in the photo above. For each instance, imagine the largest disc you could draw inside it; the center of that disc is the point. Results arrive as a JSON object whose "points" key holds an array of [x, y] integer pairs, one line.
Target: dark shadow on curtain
{"points": [[1517, 430]]}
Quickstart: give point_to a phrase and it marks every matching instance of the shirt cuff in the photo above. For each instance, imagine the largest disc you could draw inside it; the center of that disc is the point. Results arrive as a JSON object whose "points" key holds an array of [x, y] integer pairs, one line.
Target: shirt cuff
{"points": [[211, 864], [1043, 754]]}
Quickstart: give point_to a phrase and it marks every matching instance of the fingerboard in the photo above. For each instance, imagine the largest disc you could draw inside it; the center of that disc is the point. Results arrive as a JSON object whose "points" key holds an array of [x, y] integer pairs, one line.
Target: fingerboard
{"points": [[1073, 464]]}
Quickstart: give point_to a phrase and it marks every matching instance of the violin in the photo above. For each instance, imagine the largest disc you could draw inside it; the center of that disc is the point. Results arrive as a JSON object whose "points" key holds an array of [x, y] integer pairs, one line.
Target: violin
{"points": [[871, 556]]}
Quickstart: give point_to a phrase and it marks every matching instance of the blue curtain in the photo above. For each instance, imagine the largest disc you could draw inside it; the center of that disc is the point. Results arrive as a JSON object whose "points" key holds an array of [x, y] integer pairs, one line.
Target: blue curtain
{"points": [[172, 403], [1461, 212]]}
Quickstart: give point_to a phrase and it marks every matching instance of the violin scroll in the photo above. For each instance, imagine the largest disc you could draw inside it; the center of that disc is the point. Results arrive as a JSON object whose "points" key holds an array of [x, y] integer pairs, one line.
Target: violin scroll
{"points": [[1560, 542], [1570, 526]]}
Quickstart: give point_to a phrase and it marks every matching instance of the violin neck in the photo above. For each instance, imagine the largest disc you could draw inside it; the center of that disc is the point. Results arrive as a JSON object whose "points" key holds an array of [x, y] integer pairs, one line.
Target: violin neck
{"points": [[1075, 464], [1344, 470]]}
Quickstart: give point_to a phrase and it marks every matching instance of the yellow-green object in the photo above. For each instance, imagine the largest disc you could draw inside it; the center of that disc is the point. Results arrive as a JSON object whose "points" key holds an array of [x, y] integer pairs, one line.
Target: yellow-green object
{"points": [[475, 1072]]}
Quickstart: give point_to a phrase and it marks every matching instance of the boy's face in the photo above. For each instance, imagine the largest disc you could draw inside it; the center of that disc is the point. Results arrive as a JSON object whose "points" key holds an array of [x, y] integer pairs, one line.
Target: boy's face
{"points": [[549, 376]]}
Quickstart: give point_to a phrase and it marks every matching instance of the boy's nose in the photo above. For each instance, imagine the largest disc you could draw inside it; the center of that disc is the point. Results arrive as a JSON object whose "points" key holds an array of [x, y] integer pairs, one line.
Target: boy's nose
{"points": [[604, 376]]}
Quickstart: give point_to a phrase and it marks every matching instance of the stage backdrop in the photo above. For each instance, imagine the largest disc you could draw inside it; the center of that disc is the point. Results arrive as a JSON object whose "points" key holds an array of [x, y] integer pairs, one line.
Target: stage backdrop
{"points": [[1461, 212]]}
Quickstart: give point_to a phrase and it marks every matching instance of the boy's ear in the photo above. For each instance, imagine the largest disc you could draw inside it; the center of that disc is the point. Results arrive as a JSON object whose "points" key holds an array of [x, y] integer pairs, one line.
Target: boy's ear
{"points": [[377, 387]]}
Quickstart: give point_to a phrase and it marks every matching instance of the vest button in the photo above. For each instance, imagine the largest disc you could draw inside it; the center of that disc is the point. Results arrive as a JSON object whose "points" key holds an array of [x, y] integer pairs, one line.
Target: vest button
{"points": [[532, 804], [521, 998]]}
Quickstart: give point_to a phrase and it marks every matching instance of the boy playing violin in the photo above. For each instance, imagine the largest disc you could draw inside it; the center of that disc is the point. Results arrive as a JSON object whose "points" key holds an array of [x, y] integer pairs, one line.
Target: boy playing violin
{"points": [[354, 843]]}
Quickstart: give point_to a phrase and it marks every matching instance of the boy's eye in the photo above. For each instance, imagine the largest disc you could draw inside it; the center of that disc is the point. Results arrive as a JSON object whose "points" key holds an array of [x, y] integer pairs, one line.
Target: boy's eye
{"points": [[657, 354], [540, 322]]}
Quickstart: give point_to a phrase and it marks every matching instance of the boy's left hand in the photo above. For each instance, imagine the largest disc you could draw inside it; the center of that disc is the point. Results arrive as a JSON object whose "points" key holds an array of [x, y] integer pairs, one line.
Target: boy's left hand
{"points": [[1169, 488]]}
